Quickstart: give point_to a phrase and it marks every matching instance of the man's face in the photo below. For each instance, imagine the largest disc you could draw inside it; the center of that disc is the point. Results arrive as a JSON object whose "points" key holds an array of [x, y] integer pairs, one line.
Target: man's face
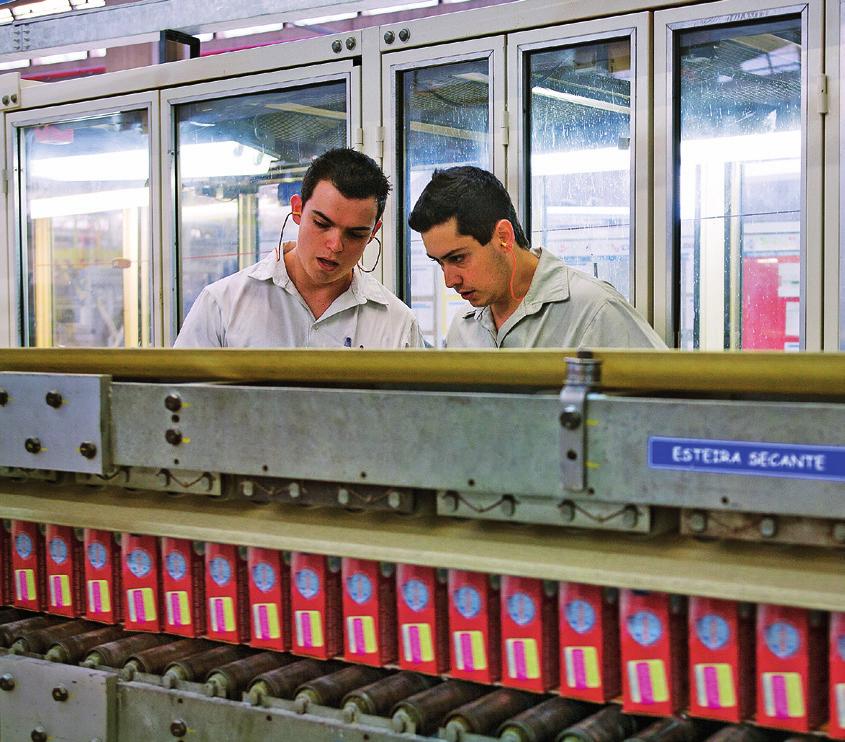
{"points": [[333, 232], [479, 273]]}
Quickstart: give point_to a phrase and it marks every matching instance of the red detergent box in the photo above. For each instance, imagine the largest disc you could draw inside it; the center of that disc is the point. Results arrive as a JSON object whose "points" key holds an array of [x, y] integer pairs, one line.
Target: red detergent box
{"points": [[369, 611], [836, 727], [102, 576], [27, 566], [64, 569], [316, 605], [5, 565], [474, 626], [721, 659], [226, 594], [269, 599], [182, 585], [141, 581], [529, 634], [421, 614], [791, 668], [653, 649], [589, 642]]}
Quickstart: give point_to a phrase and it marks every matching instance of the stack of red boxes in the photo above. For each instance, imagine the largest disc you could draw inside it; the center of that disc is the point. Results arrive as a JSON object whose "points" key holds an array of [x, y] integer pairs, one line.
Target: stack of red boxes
{"points": [[791, 683], [721, 659], [141, 578], [27, 565], [5, 566], [369, 612], [529, 634], [64, 570], [102, 577], [653, 644], [182, 587], [226, 594], [316, 606], [836, 728], [473, 627], [269, 599], [422, 618], [589, 642]]}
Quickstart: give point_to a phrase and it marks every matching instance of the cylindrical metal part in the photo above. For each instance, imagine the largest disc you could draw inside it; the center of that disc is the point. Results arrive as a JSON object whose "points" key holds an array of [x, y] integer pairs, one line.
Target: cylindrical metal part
{"points": [[378, 698], [197, 666], [607, 725], [670, 729], [329, 690], [283, 682], [71, 649], [230, 680], [542, 722], [423, 712], [155, 659], [485, 714], [9, 631], [40, 640], [115, 654], [7, 615], [739, 733]]}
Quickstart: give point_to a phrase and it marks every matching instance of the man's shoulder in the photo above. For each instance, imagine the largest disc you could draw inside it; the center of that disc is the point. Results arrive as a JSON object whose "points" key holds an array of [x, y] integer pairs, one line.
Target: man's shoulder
{"points": [[235, 282], [376, 291]]}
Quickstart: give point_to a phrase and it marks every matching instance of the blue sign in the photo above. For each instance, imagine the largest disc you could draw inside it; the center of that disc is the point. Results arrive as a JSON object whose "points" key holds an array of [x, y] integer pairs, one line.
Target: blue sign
{"points": [[747, 458]]}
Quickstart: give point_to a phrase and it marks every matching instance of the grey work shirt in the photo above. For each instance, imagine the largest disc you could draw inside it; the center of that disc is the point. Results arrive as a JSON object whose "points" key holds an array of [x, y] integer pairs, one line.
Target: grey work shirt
{"points": [[259, 307], [563, 308]]}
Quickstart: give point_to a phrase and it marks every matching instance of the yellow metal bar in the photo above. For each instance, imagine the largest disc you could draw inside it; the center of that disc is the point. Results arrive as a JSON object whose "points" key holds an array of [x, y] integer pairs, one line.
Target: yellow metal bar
{"points": [[806, 374], [759, 573]]}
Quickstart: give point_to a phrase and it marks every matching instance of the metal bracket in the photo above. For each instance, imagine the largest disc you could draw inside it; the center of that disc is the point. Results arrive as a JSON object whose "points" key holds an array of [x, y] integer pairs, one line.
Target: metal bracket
{"points": [[582, 374]]}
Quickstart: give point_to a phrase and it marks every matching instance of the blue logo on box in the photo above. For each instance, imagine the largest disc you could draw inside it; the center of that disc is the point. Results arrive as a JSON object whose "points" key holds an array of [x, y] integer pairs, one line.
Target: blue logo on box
{"points": [[521, 609], [139, 563], [23, 545], [176, 566], [97, 555], [712, 631], [307, 583], [220, 570], [264, 577], [580, 615], [747, 458], [645, 628], [415, 594], [782, 639], [359, 587], [58, 550], [467, 601]]}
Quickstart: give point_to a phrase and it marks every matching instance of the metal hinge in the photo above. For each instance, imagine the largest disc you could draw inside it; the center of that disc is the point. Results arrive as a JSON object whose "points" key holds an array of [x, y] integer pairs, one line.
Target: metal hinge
{"points": [[822, 99], [582, 375], [4, 174], [359, 139], [379, 132]]}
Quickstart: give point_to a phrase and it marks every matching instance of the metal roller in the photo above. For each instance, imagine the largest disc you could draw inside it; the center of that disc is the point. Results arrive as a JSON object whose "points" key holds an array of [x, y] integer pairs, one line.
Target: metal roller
{"points": [[40, 640], [283, 682], [9, 631], [71, 649], [197, 666], [329, 690], [116, 653], [739, 733], [153, 661], [229, 680], [607, 725], [485, 714], [671, 729], [542, 722], [423, 712], [378, 698]]}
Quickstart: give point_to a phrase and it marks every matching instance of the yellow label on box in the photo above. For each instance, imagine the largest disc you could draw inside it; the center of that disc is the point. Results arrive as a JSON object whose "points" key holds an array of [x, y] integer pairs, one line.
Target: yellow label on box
{"points": [[582, 667]]}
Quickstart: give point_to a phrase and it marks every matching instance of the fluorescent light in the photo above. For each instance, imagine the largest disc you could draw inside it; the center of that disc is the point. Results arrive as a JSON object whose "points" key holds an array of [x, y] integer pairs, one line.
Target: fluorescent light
{"points": [[325, 19], [250, 31], [45, 7], [58, 58], [6, 17], [89, 203], [400, 8], [132, 164], [97, 53], [16, 65], [203, 37], [580, 100]]}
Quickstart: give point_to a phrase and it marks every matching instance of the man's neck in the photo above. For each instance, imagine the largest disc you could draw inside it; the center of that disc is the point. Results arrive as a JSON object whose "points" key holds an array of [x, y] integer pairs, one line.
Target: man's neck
{"points": [[526, 266], [318, 297]]}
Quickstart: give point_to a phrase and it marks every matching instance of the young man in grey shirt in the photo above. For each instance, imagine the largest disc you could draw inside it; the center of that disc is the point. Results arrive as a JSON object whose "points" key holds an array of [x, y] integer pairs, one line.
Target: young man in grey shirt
{"points": [[522, 298]]}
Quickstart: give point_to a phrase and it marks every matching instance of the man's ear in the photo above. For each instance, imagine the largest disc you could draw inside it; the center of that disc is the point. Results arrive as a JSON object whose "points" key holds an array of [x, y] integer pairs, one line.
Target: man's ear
{"points": [[296, 208], [503, 235], [375, 230]]}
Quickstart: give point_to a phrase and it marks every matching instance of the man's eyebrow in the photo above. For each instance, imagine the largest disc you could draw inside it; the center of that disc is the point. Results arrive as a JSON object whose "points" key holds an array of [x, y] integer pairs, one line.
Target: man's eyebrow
{"points": [[321, 215], [447, 255]]}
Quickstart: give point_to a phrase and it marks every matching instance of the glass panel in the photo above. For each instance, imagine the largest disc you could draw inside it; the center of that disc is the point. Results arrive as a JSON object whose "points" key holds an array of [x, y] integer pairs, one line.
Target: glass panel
{"points": [[579, 162], [239, 161], [86, 214], [741, 186], [444, 121]]}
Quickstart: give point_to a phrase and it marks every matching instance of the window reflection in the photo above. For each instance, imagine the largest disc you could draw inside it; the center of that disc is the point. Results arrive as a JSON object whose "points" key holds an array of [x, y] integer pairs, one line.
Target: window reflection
{"points": [[86, 209], [579, 162], [443, 121], [239, 161], [740, 186]]}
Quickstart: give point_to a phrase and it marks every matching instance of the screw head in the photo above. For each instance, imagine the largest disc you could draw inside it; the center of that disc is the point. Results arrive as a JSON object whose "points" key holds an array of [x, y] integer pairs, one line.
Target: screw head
{"points": [[14, 98], [39, 734], [768, 527], [343, 496], [404, 34], [570, 418], [173, 436], [350, 43], [7, 682], [697, 521], [337, 46], [88, 449], [178, 728], [247, 489], [394, 499], [5, 100], [389, 37], [32, 445], [54, 399], [60, 693], [173, 402], [4, 397]]}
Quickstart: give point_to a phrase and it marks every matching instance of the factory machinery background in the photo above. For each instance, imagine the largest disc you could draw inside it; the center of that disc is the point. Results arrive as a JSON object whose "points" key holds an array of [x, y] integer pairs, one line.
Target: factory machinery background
{"points": [[626, 545]]}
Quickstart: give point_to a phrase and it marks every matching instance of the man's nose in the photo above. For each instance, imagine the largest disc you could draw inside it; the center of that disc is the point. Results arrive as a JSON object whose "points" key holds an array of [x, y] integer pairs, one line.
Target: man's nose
{"points": [[451, 277], [334, 240]]}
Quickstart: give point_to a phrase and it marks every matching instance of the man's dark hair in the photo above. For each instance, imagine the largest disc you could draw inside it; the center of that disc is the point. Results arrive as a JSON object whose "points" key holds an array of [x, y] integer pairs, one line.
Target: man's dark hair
{"points": [[353, 173], [473, 196]]}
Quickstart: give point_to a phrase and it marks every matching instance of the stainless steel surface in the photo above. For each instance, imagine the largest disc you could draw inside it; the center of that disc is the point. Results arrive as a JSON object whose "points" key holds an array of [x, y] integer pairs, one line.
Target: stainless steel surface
{"points": [[55, 421], [86, 711]]}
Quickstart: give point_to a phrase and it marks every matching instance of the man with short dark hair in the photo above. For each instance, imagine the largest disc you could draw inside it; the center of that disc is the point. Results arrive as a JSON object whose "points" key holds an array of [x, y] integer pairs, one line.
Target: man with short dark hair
{"points": [[311, 294], [522, 298]]}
